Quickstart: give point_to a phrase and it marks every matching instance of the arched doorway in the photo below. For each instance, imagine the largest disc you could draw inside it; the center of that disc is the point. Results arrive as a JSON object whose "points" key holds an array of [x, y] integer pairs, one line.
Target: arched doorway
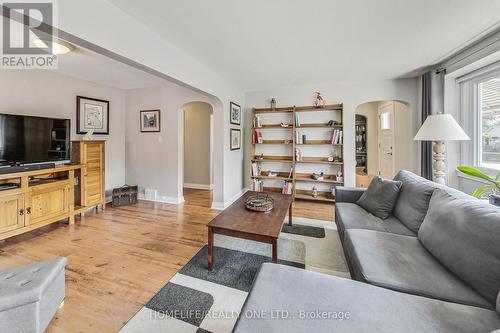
{"points": [[197, 157], [383, 138]]}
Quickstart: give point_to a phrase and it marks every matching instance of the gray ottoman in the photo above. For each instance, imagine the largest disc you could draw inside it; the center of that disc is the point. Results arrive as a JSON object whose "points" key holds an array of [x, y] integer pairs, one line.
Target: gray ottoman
{"points": [[31, 295]]}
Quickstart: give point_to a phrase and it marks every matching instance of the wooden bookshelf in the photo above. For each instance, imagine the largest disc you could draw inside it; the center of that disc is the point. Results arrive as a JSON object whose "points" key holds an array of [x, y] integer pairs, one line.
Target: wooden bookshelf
{"points": [[329, 179]]}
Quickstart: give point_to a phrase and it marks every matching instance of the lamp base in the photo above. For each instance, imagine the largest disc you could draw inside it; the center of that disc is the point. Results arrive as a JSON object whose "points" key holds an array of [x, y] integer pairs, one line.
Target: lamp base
{"points": [[439, 165]]}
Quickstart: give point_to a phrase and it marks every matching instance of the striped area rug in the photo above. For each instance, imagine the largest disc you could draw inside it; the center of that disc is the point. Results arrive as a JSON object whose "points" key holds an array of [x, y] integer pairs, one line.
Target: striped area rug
{"points": [[196, 300]]}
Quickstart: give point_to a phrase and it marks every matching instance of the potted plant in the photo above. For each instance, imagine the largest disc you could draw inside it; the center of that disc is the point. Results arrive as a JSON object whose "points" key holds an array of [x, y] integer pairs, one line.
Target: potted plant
{"points": [[493, 188]]}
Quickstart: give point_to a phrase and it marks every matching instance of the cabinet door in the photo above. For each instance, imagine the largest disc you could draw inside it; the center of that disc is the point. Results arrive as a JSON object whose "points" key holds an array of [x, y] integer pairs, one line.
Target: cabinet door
{"points": [[47, 204], [11, 212]]}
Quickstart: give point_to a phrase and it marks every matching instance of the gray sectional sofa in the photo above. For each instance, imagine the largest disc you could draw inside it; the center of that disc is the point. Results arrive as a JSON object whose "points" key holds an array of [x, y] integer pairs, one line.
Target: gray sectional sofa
{"points": [[433, 266]]}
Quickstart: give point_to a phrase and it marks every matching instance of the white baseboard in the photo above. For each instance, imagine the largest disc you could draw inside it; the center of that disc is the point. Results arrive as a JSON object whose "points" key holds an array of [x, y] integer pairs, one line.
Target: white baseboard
{"points": [[223, 205], [199, 186], [163, 199]]}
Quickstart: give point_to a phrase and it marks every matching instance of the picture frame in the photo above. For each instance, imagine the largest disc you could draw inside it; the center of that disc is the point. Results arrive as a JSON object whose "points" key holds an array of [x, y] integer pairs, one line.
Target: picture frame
{"points": [[235, 138], [150, 121], [92, 115], [234, 113]]}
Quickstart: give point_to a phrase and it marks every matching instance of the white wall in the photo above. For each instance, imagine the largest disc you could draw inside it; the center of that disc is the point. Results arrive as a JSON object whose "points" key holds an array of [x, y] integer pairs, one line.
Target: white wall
{"points": [[197, 147], [120, 33], [370, 111], [155, 160], [48, 94], [351, 95]]}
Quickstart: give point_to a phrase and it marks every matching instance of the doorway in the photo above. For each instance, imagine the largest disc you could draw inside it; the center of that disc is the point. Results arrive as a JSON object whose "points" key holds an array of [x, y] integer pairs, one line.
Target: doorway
{"points": [[382, 140], [198, 154]]}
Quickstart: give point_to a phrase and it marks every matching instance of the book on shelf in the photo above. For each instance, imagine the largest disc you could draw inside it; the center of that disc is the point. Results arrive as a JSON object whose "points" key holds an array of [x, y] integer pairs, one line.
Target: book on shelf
{"points": [[258, 185], [297, 119], [287, 187], [337, 137], [256, 122], [255, 136], [255, 169]]}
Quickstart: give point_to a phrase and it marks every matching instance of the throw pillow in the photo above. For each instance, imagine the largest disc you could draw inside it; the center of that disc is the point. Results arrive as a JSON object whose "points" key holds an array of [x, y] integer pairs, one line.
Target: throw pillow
{"points": [[380, 197]]}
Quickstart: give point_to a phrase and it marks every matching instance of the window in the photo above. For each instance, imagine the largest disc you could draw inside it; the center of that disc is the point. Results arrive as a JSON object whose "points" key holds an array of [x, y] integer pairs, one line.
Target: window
{"points": [[385, 121], [489, 123]]}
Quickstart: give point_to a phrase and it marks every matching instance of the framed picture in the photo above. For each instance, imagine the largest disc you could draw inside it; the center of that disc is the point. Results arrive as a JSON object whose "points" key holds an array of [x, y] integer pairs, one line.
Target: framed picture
{"points": [[235, 113], [92, 115], [150, 121], [235, 138]]}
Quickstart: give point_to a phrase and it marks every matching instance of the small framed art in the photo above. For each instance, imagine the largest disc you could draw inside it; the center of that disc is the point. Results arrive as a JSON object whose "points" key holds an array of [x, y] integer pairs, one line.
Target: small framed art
{"points": [[235, 113], [235, 138], [150, 121]]}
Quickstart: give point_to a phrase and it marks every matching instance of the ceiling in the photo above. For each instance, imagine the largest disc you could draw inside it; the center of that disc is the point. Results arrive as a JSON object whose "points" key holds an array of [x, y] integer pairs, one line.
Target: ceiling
{"points": [[263, 44], [90, 66]]}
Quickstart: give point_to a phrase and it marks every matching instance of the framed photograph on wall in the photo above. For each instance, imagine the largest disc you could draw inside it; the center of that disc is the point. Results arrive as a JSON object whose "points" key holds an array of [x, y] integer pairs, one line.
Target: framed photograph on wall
{"points": [[235, 138], [235, 113], [150, 121], [92, 115]]}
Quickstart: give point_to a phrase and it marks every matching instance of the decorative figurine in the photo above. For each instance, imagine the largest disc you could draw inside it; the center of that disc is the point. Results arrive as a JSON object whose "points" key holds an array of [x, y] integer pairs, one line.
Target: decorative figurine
{"points": [[284, 125], [318, 176], [298, 155], [260, 157], [332, 123], [259, 171], [88, 136], [318, 100], [340, 177], [273, 103], [314, 192]]}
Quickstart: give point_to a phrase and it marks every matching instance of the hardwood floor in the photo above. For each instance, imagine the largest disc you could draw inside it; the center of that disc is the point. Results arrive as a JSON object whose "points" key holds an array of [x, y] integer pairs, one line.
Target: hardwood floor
{"points": [[117, 260], [195, 197]]}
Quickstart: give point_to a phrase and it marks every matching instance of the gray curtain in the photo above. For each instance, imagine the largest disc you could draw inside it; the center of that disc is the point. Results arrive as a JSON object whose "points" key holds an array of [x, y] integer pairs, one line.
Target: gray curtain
{"points": [[432, 103]]}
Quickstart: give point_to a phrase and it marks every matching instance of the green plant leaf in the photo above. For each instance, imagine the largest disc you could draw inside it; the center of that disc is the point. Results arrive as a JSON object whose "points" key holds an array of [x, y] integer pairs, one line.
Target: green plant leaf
{"points": [[478, 192], [473, 172], [498, 176]]}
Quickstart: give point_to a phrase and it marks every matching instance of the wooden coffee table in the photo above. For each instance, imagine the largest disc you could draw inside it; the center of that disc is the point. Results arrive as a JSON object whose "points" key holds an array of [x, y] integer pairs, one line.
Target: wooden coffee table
{"points": [[237, 221]]}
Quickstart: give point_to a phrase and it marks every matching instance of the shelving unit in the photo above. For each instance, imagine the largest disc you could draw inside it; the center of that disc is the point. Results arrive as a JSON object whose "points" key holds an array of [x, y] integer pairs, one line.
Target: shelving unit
{"points": [[302, 178], [361, 144]]}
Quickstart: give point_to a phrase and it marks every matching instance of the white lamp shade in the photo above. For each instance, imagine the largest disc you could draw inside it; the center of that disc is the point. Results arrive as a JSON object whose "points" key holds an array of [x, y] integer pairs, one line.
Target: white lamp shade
{"points": [[440, 127]]}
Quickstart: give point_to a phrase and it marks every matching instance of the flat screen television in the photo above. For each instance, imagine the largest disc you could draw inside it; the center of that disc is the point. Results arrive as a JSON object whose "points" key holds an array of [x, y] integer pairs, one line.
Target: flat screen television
{"points": [[26, 139]]}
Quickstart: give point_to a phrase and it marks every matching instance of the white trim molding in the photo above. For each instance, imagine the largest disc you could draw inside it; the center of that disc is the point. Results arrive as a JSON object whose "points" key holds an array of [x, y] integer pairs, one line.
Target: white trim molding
{"points": [[223, 205], [163, 199], [199, 186]]}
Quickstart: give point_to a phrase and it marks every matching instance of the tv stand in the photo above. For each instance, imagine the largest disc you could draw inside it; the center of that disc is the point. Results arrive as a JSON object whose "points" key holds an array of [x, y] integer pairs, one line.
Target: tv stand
{"points": [[28, 205]]}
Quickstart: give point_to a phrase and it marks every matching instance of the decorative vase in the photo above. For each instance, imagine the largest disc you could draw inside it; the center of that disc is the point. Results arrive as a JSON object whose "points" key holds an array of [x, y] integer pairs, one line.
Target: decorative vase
{"points": [[273, 103], [495, 199]]}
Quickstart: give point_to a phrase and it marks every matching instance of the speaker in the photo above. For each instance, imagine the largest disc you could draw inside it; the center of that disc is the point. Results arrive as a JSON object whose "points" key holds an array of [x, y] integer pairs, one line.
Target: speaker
{"points": [[23, 168]]}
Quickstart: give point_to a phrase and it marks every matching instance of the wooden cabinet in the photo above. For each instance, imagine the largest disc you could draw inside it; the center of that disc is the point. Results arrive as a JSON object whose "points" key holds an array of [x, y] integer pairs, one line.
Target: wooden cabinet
{"points": [[91, 188], [11, 212], [47, 202], [41, 197]]}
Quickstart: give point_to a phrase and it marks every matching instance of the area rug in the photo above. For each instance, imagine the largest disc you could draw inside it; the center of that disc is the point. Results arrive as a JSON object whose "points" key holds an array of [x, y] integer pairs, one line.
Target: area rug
{"points": [[196, 300]]}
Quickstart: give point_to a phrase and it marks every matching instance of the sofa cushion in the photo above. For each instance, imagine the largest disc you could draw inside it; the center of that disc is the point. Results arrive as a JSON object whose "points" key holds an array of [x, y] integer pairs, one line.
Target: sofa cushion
{"points": [[366, 308], [464, 235], [352, 216], [380, 197], [401, 263], [413, 200]]}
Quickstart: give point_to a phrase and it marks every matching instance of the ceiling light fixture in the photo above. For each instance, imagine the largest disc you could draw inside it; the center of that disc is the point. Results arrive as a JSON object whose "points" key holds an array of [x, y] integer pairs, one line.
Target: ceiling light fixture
{"points": [[58, 46]]}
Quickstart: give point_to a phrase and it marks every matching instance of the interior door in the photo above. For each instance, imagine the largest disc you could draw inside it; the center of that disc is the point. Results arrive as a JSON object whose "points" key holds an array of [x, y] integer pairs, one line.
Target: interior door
{"points": [[11, 212], [386, 140]]}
